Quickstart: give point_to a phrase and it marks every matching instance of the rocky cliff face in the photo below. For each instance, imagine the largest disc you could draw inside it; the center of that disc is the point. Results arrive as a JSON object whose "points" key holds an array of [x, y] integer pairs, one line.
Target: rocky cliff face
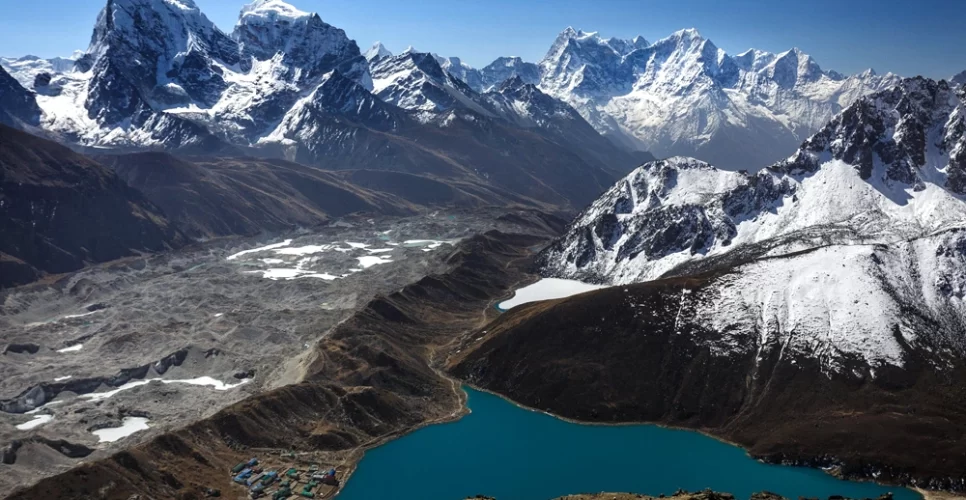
{"points": [[154, 54], [909, 135], [308, 46], [160, 74], [18, 106]]}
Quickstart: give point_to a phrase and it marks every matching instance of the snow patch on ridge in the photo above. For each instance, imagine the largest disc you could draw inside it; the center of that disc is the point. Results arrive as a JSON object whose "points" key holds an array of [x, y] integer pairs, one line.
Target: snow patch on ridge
{"points": [[546, 289]]}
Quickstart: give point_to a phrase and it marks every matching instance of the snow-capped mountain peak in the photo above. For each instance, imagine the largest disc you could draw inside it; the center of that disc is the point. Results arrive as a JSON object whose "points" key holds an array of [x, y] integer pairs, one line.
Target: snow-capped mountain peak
{"points": [[456, 67], [688, 34], [416, 81], [682, 95], [891, 167], [909, 136], [310, 47], [271, 11], [512, 83], [377, 51], [151, 54], [492, 75], [851, 250], [793, 67], [163, 63], [754, 60], [33, 71]]}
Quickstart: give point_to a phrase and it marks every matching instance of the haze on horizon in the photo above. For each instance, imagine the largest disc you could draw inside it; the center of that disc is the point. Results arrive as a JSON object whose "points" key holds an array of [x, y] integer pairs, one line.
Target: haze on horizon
{"points": [[922, 38]]}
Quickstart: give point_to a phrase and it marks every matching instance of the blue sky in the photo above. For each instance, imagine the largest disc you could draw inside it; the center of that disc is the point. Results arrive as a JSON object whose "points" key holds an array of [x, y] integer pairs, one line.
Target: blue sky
{"points": [[907, 37]]}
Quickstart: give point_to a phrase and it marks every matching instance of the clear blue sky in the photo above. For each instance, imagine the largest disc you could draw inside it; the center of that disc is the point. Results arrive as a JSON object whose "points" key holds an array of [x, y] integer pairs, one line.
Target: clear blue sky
{"points": [[924, 37]]}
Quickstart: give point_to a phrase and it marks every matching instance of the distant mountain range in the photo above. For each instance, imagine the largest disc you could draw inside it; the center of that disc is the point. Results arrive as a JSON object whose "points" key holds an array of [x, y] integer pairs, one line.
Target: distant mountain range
{"points": [[160, 75], [682, 95]]}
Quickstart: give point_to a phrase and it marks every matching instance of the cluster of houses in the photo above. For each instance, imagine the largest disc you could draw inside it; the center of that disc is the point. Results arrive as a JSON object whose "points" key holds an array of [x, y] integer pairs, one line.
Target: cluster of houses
{"points": [[277, 484]]}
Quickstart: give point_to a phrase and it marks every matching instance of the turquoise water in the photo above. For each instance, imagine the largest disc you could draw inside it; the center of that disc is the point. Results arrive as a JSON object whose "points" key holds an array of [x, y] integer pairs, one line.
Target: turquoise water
{"points": [[510, 453]]}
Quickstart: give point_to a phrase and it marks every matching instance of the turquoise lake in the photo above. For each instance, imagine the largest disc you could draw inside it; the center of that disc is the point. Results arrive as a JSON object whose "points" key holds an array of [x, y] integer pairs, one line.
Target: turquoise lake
{"points": [[504, 451]]}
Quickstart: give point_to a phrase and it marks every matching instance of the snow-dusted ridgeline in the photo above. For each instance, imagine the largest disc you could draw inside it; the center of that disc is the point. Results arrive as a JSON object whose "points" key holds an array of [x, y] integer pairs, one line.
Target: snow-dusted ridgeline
{"points": [[823, 254], [682, 95]]}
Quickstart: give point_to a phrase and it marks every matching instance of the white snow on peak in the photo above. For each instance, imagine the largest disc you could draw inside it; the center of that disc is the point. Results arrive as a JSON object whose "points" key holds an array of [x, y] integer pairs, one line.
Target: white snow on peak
{"points": [[378, 50], [271, 10], [682, 95], [26, 69], [833, 197], [821, 255], [182, 4], [687, 33], [417, 81]]}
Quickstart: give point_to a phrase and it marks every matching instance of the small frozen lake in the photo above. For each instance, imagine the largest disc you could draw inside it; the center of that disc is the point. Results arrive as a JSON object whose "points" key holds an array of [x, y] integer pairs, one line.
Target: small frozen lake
{"points": [[547, 289], [129, 426]]}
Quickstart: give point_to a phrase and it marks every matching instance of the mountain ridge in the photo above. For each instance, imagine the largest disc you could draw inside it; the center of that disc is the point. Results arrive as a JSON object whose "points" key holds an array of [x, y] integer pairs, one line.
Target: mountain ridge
{"points": [[681, 95], [159, 75], [888, 167], [61, 211]]}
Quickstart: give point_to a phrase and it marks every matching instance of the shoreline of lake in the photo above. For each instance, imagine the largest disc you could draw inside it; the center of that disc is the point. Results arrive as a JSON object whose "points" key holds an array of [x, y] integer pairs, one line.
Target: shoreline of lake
{"points": [[362, 481]]}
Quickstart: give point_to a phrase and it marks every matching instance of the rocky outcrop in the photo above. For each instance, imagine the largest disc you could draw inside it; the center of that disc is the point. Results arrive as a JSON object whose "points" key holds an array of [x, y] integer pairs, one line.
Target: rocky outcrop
{"points": [[307, 46], [18, 106], [912, 129], [41, 394]]}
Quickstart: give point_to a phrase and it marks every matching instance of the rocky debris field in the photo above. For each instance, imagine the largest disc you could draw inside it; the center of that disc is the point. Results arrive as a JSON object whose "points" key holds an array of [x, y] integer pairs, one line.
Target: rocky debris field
{"points": [[114, 355]]}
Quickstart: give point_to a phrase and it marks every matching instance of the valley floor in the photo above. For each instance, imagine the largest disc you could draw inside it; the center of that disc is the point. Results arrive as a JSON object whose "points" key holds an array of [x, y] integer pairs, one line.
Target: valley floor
{"points": [[334, 366], [126, 352]]}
